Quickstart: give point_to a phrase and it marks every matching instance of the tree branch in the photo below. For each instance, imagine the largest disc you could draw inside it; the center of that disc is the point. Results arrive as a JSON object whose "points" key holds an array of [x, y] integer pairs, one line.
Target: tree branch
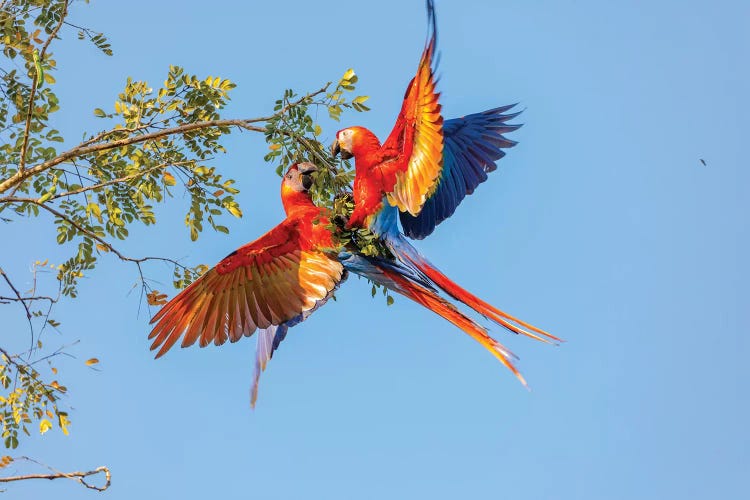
{"points": [[101, 135], [76, 476], [34, 84], [80, 150], [114, 181], [90, 234]]}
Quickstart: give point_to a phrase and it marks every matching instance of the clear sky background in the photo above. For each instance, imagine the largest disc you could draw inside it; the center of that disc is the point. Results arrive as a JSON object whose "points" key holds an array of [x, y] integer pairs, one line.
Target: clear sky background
{"points": [[601, 226]]}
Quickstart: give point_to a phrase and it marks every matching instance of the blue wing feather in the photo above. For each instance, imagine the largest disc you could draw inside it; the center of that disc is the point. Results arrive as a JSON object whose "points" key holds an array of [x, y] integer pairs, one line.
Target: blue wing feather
{"points": [[472, 145]]}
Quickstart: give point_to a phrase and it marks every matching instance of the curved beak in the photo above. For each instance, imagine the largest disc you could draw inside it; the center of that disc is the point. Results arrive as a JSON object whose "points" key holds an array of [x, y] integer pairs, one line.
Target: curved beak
{"points": [[307, 168], [336, 149]]}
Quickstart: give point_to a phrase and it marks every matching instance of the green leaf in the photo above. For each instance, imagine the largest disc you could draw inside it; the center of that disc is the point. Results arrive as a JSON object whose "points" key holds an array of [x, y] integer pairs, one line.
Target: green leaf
{"points": [[11, 442], [38, 68]]}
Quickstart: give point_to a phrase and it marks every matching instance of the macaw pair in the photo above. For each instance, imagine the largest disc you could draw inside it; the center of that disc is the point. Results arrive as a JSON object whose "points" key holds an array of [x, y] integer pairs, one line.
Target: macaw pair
{"points": [[419, 175]]}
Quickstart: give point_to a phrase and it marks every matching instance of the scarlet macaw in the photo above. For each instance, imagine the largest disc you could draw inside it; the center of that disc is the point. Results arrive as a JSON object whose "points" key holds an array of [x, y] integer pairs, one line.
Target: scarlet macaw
{"points": [[422, 172], [281, 278]]}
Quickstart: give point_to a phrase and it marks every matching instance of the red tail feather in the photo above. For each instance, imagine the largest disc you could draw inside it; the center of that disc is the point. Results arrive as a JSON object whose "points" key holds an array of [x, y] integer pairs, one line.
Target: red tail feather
{"points": [[506, 320], [438, 305]]}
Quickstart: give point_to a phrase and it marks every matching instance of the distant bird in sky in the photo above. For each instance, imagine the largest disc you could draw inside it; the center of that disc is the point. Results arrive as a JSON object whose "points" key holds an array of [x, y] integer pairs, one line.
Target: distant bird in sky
{"points": [[704, 162]]}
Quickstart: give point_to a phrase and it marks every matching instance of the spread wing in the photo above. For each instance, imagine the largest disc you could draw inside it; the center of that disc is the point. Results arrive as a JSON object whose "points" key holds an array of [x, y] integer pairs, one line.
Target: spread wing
{"points": [[473, 144], [414, 148], [277, 280]]}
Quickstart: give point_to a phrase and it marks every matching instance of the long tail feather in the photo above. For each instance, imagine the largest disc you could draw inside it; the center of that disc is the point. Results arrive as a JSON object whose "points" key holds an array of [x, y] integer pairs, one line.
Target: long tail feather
{"points": [[406, 281], [440, 306], [404, 250]]}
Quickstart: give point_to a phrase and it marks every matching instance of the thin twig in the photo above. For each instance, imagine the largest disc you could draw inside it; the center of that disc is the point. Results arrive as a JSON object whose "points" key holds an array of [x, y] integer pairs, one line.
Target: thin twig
{"points": [[103, 242], [22, 365], [15, 290], [60, 351], [27, 299], [20, 299], [23, 303], [115, 181]]}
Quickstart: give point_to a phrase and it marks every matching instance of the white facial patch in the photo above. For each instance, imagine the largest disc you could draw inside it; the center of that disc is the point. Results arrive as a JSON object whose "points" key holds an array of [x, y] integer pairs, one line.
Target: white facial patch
{"points": [[292, 180], [345, 140]]}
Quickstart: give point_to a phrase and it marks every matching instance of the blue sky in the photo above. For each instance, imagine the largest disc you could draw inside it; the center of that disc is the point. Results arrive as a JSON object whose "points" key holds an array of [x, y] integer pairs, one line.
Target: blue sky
{"points": [[601, 226]]}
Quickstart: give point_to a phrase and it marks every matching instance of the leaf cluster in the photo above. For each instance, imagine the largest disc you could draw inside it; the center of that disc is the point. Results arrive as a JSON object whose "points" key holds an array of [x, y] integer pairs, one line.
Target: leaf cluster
{"points": [[28, 398]]}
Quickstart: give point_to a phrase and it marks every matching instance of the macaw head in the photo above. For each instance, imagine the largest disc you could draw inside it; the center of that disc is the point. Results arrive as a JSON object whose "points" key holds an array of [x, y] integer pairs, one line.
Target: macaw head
{"points": [[351, 141], [299, 178]]}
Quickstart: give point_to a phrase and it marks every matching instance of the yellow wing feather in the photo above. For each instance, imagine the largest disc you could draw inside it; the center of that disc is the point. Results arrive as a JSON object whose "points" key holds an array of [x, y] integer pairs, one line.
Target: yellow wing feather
{"points": [[218, 307], [418, 136]]}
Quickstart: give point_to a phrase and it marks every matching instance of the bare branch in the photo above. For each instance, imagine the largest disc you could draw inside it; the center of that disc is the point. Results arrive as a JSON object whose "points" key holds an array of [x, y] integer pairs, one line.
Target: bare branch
{"points": [[26, 299], [76, 476], [19, 299], [60, 351]]}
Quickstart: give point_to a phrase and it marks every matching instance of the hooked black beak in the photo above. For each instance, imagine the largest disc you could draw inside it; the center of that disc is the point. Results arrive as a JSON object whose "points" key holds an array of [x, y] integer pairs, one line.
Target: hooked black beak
{"points": [[307, 168], [336, 149], [307, 181]]}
